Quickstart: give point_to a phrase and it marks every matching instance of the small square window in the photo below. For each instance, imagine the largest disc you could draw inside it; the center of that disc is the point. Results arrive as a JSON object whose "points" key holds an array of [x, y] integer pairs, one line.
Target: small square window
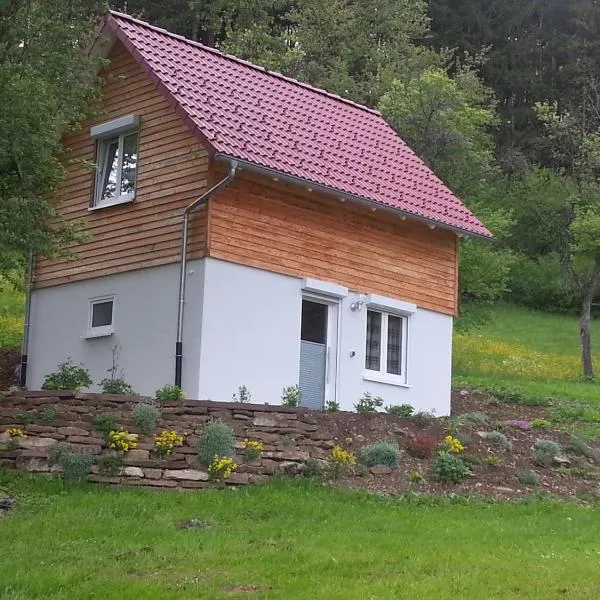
{"points": [[386, 343], [101, 318], [116, 169]]}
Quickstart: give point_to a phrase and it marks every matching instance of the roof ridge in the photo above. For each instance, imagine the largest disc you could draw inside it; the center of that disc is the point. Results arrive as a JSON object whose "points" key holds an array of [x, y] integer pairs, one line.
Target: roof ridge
{"points": [[244, 62]]}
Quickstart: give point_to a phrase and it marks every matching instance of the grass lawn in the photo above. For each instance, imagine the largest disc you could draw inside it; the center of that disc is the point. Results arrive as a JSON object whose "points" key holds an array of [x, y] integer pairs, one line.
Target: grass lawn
{"points": [[292, 540]]}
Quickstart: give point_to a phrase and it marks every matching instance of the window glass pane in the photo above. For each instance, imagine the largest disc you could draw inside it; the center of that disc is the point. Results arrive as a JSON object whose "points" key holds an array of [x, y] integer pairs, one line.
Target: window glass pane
{"points": [[110, 165], [129, 163], [102, 313], [394, 345], [314, 322], [373, 353]]}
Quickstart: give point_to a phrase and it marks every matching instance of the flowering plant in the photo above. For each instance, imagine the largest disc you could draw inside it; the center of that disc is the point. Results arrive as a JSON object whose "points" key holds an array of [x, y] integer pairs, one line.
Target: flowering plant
{"points": [[524, 425], [221, 468], [122, 440], [453, 444], [340, 456], [253, 449], [166, 441], [14, 432]]}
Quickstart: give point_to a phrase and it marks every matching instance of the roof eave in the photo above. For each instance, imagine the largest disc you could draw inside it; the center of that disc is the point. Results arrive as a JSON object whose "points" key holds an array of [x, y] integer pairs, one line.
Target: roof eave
{"points": [[307, 183]]}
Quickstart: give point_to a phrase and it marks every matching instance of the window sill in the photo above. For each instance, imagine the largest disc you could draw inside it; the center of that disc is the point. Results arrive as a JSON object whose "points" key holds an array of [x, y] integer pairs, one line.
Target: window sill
{"points": [[121, 200], [387, 379], [98, 332]]}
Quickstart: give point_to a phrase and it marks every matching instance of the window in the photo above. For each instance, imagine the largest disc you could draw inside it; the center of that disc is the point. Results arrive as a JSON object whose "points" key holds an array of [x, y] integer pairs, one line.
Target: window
{"points": [[101, 317], [385, 354], [116, 161]]}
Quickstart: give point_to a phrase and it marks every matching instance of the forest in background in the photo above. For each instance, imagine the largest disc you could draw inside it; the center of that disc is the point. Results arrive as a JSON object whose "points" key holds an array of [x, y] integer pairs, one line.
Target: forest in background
{"points": [[502, 99]]}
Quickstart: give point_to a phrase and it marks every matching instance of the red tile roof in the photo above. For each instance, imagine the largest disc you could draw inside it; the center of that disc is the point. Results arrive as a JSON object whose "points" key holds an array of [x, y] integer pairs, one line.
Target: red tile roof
{"points": [[245, 112]]}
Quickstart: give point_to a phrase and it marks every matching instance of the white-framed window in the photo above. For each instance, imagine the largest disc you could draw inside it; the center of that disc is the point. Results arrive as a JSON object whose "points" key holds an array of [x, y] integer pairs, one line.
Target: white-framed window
{"points": [[386, 346], [116, 161], [101, 317]]}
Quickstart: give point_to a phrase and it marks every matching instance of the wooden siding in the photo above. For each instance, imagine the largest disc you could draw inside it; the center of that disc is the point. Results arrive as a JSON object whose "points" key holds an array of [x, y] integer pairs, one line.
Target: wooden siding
{"points": [[172, 172], [281, 228]]}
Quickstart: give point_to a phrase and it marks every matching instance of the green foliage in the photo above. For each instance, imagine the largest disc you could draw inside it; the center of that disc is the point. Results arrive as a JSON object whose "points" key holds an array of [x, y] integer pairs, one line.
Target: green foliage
{"points": [[580, 447], [169, 393], [216, 439], [544, 452], [492, 461], [332, 406], [385, 452], [110, 466], [422, 419], [527, 476], [67, 377], [449, 468], [76, 466], [116, 386], [368, 403], [400, 410], [104, 424], [497, 438], [291, 396], [243, 395], [25, 418], [145, 417], [477, 417], [12, 303], [541, 424], [47, 415]]}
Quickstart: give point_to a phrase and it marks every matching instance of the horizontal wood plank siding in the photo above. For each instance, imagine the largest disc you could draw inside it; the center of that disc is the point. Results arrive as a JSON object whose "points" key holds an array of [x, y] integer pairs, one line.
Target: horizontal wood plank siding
{"points": [[173, 170], [278, 227]]}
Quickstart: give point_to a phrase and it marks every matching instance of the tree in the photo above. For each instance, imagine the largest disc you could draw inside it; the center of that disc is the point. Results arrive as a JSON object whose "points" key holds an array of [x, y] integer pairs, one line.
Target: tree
{"points": [[46, 82]]}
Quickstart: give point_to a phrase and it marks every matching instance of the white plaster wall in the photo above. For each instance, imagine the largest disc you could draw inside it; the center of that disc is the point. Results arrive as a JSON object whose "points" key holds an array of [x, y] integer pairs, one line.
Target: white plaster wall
{"points": [[250, 332], [145, 320]]}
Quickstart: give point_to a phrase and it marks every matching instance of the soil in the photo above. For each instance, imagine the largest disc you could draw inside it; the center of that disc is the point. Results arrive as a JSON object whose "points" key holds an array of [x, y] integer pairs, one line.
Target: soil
{"points": [[580, 479]]}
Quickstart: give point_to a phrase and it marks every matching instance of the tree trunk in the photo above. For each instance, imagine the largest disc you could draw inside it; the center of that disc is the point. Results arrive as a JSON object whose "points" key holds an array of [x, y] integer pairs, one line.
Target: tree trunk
{"points": [[584, 334]]}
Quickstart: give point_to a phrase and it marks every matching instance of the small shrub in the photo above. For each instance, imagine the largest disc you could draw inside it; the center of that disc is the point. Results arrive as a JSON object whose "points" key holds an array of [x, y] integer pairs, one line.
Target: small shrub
{"points": [[314, 468], [76, 466], [166, 442], [579, 446], [453, 445], [216, 439], [422, 419], [479, 418], [492, 461], [122, 440], [448, 468], [243, 395], [58, 450], [332, 406], [169, 393], [67, 377], [47, 415], [497, 438], [472, 459], [368, 403], [422, 446], [541, 424], [110, 466], [221, 468], [341, 460], [291, 396], [13, 434], [380, 453], [400, 410], [104, 424], [253, 449], [25, 418], [527, 476], [286, 440], [544, 452], [522, 425], [116, 386], [464, 438], [145, 417], [416, 477]]}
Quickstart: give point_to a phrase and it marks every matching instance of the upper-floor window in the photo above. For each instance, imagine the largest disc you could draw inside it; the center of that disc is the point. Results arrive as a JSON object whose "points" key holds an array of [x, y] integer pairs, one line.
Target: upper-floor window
{"points": [[117, 161]]}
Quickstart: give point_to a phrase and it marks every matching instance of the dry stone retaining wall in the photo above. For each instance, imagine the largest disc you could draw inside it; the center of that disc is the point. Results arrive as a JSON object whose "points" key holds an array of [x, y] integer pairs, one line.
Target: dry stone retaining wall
{"points": [[291, 436]]}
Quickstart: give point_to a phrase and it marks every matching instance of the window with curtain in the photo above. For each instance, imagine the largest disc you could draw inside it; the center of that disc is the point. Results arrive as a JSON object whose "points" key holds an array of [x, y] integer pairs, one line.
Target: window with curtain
{"points": [[385, 343]]}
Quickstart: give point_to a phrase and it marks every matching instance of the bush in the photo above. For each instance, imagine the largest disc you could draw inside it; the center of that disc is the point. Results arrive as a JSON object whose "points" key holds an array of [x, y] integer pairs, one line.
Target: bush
{"points": [[332, 406], [341, 461], [422, 446], [110, 466], [544, 452], [243, 395], [291, 396], [116, 386], [422, 419], [47, 415], [579, 446], [67, 377], [122, 440], [448, 468], [479, 418], [527, 476], [169, 393], [400, 410], [499, 439], [145, 417], [166, 442], [541, 424], [380, 453], [104, 424], [216, 439], [76, 466], [368, 403]]}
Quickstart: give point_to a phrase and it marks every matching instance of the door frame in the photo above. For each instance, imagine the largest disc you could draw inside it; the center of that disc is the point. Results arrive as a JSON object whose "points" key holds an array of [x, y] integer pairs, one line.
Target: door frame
{"points": [[332, 353]]}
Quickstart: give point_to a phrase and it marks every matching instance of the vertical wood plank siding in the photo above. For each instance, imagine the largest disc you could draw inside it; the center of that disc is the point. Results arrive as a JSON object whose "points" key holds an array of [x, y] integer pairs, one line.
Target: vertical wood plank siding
{"points": [[172, 171], [277, 227]]}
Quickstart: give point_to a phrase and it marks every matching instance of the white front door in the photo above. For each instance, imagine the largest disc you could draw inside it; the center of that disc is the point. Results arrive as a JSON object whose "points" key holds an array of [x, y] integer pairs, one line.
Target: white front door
{"points": [[318, 351]]}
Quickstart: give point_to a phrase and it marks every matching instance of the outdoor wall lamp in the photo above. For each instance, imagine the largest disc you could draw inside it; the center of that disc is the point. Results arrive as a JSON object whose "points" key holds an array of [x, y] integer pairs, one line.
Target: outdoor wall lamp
{"points": [[357, 305]]}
